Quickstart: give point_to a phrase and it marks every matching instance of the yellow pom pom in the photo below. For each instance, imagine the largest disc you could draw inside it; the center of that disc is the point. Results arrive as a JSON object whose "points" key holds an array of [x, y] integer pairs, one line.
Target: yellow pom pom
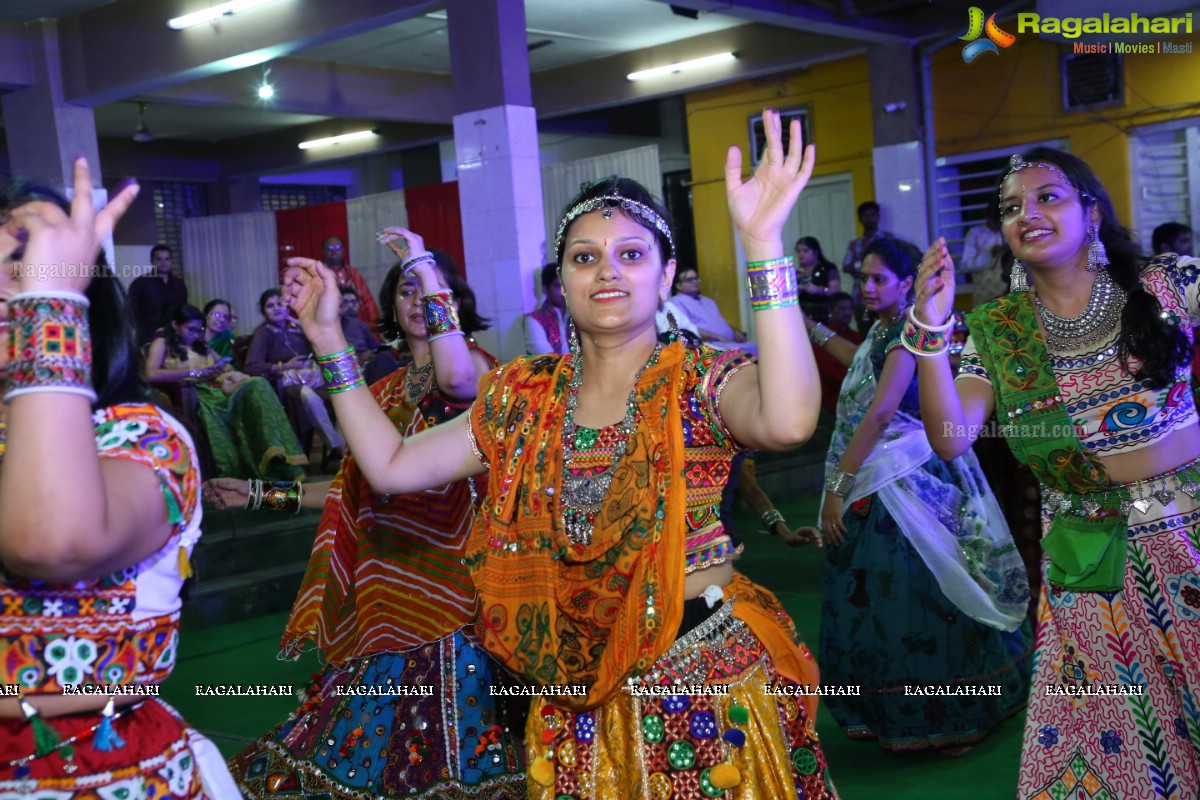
{"points": [[541, 772], [185, 566], [725, 776]]}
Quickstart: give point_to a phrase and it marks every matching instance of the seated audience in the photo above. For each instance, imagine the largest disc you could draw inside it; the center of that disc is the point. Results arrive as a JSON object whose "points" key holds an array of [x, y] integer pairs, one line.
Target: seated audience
{"points": [[1172, 237], [242, 418], [703, 312], [218, 328], [546, 328], [816, 277], [832, 371], [358, 333]]}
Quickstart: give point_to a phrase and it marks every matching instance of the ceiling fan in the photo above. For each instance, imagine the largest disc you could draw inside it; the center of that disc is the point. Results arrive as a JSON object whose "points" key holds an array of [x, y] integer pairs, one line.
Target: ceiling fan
{"points": [[141, 133]]}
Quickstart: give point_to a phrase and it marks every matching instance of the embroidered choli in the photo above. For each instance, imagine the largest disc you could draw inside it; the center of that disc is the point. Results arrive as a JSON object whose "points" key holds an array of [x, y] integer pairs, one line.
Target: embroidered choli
{"points": [[1112, 412], [121, 628]]}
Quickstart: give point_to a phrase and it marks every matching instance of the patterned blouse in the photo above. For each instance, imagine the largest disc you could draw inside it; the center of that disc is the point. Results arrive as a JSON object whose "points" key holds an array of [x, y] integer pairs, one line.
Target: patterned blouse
{"points": [[1113, 413], [121, 628]]}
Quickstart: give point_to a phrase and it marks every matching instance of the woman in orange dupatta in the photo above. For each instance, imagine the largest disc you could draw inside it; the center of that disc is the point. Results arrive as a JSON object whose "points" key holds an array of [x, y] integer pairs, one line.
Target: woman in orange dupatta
{"points": [[604, 575]]}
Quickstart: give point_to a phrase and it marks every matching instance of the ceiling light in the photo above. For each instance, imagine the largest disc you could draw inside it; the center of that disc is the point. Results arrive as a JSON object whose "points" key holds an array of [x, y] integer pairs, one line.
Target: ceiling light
{"points": [[331, 140], [266, 92], [214, 12], [681, 66]]}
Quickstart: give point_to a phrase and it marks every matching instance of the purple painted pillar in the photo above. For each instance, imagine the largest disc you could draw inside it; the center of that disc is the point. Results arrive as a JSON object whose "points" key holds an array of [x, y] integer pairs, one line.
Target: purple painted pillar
{"points": [[45, 133], [499, 174]]}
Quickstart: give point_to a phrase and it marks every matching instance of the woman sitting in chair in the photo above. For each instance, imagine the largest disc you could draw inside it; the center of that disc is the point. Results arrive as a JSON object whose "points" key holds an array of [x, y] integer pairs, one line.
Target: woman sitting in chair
{"points": [[242, 417]]}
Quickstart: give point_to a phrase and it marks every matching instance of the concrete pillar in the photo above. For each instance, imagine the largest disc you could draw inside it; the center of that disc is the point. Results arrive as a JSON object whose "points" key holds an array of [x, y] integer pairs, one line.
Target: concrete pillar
{"points": [[499, 174], [45, 134], [899, 156]]}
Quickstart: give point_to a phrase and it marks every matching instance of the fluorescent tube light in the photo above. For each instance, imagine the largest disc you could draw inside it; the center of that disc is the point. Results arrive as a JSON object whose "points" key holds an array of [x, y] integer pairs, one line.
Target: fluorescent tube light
{"points": [[681, 66], [214, 12], [331, 140]]}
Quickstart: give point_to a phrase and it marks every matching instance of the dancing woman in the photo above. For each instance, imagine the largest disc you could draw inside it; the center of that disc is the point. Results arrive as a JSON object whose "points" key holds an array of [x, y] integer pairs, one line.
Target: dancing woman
{"points": [[99, 511], [598, 555], [922, 584], [1085, 364], [387, 600]]}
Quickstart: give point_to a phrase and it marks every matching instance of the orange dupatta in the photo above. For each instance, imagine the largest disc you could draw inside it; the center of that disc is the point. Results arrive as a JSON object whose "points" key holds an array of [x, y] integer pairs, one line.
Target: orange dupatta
{"points": [[553, 611]]}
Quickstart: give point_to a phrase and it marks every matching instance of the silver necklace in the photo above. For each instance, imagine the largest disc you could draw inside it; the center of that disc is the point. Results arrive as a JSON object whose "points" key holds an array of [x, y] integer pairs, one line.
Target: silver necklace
{"points": [[416, 389], [1097, 321], [582, 494]]}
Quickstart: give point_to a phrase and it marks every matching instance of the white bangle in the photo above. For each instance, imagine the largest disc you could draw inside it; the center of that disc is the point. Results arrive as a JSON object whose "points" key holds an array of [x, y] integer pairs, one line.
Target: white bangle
{"points": [[49, 294], [912, 315]]}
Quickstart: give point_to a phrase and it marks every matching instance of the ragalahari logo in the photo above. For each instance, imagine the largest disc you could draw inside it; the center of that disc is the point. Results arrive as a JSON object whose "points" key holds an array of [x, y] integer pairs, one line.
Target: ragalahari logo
{"points": [[996, 38]]}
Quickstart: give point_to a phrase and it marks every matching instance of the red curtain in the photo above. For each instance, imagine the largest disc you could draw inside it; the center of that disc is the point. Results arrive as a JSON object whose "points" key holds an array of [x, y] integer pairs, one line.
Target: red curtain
{"points": [[300, 231], [433, 212]]}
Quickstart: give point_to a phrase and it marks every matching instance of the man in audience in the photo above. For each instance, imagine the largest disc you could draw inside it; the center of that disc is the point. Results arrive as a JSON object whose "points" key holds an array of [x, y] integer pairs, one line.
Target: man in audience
{"points": [[151, 295], [868, 217], [358, 333], [1172, 237], [333, 253], [832, 371], [983, 259], [704, 313], [546, 328]]}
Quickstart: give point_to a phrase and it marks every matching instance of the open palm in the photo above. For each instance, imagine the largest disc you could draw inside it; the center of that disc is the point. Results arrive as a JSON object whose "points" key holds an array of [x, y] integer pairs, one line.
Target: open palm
{"points": [[760, 206]]}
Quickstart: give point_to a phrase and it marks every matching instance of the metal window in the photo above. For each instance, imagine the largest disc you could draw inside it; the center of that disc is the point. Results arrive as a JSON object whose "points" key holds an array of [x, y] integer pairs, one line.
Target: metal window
{"points": [[175, 201], [281, 196]]}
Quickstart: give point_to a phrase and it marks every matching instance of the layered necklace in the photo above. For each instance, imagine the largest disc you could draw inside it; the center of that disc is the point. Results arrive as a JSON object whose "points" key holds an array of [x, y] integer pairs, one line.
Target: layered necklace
{"points": [[582, 494], [417, 381], [1097, 321]]}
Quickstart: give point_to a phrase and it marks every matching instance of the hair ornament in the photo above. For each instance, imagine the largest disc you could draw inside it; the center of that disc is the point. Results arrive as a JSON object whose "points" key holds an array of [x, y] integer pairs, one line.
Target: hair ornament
{"points": [[1016, 163], [607, 205]]}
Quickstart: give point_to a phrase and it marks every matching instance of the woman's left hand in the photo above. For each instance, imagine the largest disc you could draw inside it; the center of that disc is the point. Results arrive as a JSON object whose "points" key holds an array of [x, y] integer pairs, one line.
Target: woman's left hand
{"points": [[833, 529], [61, 249], [761, 205]]}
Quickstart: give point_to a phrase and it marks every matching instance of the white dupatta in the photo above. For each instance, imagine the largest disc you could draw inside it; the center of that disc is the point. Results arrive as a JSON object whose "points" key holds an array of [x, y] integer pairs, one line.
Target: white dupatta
{"points": [[956, 527]]}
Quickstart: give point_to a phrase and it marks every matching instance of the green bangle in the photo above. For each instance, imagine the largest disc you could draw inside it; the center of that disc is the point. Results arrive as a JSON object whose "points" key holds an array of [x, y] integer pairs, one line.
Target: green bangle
{"points": [[334, 356]]}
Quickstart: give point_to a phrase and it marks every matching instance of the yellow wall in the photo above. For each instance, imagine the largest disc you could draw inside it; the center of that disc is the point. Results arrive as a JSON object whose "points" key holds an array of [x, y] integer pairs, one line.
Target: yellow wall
{"points": [[1016, 97], [838, 96]]}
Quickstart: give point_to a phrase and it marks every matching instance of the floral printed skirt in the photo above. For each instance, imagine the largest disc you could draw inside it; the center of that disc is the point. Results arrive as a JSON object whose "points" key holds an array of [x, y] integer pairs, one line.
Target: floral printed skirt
{"points": [[1115, 706], [419, 724]]}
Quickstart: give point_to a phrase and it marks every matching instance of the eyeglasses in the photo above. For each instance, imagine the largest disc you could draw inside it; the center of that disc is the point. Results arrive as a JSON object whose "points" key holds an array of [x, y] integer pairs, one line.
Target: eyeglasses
{"points": [[333, 247], [693, 279]]}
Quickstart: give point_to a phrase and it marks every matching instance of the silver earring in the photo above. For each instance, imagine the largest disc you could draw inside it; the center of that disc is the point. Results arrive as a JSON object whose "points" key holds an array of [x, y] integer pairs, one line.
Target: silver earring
{"points": [[1097, 254], [572, 337], [1018, 280]]}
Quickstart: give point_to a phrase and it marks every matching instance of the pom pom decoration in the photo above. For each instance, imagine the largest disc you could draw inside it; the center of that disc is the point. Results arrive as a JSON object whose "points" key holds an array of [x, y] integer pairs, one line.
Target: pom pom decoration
{"points": [[725, 776]]}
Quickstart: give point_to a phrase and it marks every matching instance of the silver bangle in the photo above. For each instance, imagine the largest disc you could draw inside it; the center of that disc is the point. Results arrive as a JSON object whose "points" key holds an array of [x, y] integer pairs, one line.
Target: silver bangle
{"points": [[839, 482], [415, 259], [772, 516], [820, 334]]}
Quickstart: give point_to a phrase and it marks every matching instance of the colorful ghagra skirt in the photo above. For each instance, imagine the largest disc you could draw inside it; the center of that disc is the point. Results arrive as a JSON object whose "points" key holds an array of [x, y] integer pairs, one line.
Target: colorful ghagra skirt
{"points": [[1114, 711], [161, 758], [744, 721], [418, 724]]}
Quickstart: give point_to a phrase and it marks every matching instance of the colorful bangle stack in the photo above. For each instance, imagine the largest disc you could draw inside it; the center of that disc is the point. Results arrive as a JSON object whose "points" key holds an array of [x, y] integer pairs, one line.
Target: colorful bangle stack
{"points": [[772, 284], [925, 341], [274, 495], [441, 315], [49, 345], [413, 260], [340, 371], [821, 334]]}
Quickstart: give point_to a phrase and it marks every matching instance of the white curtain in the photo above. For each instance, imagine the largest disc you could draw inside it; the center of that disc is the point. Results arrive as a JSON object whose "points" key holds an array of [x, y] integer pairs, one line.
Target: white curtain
{"points": [[234, 257], [561, 182], [366, 216]]}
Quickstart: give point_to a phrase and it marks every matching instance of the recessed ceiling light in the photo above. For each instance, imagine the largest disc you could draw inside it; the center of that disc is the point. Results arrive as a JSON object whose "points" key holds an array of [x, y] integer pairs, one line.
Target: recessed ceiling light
{"points": [[331, 140], [266, 92], [681, 66]]}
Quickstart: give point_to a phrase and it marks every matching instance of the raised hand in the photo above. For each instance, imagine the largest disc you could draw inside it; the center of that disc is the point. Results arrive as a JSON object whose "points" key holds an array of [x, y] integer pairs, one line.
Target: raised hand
{"points": [[61, 249], [225, 492], [311, 290], [760, 206], [401, 241], [935, 285]]}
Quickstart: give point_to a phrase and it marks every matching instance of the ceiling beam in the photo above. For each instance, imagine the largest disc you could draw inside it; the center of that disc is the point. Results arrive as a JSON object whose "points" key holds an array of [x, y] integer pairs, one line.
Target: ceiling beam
{"points": [[801, 16], [16, 68], [325, 88], [125, 49]]}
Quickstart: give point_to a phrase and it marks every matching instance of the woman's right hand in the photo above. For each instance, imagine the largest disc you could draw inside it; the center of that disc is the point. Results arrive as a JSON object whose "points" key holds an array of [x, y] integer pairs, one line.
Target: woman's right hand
{"points": [[935, 285], [226, 492], [311, 290]]}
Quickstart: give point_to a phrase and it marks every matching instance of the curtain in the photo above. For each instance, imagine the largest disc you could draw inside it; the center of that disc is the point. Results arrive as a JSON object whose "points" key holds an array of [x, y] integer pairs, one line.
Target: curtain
{"points": [[233, 257], [366, 216], [300, 231], [561, 182], [434, 213]]}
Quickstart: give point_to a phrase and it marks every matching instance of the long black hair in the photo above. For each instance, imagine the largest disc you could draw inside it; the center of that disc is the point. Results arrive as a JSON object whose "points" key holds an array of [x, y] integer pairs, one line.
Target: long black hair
{"points": [[901, 257], [631, 190], [1160, 346], [468, 312], [116, 360], [813, 244], [181, 315]]}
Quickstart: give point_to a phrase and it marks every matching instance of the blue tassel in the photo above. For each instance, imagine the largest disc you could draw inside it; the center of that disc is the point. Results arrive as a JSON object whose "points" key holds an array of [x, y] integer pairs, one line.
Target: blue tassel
{"points": [[106, 738]]}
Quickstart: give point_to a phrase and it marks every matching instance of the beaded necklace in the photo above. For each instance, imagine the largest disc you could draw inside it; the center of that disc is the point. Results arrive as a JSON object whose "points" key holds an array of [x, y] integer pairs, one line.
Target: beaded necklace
{"points": [[583, 494]]}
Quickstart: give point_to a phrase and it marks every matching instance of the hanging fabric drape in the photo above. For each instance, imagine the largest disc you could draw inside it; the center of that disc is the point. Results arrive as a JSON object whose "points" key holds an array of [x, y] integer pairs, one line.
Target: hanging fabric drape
{"points": [[233, 257], [300, 231], [365, 217], [434, 213], [561, 182]]}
